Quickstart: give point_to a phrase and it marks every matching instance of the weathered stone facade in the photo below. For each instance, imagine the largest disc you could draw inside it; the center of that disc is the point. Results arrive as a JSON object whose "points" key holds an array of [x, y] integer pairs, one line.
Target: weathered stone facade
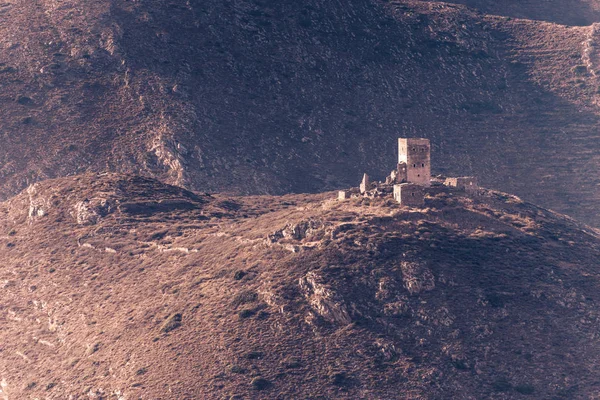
{"points": [[411, 179], [466, 183], [344, 194], [401, 173], [409, 194], [415, 153], [365, 185]]}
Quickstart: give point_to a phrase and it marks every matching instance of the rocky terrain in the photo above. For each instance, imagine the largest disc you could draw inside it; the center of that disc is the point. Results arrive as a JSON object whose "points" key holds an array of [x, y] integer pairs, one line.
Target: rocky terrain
{"points": [[567, 12], [259, 96], [121, 287]]}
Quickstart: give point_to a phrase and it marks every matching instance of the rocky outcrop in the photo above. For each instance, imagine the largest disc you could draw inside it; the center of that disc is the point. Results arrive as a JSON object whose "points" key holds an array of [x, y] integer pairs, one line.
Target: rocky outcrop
{"points": [[323, 299], [89, 212]]}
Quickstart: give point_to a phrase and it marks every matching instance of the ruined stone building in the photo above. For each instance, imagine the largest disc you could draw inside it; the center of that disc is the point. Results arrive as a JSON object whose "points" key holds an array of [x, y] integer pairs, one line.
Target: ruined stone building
{"points": [[414, 161], [410, 180], [466, 183], [409, 194]]}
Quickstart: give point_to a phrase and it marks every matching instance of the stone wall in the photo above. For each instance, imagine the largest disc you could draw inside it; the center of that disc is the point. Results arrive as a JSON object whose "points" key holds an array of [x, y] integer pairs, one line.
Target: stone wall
{"points": [[409, 194], [416, 153]]}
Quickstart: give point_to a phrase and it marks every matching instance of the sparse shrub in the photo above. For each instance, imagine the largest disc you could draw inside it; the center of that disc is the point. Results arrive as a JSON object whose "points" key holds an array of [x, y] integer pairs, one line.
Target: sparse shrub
{"points": [[30, 385], [171, 323], [238, 275], [24, 100], [502, 385], [260, 383], [141, 371], [50, 385], [495, 300], [246, 313], [338, 378], [579, 70], [236, 369], [71, 362], [254, 355], [460, 364], [5, 69], [262, 315], [525, 389], [245, 297], [12, 232], [92, 349]]}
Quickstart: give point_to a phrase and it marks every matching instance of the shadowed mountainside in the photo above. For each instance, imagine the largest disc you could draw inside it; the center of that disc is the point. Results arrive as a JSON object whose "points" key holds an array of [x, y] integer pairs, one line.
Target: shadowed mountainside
{"points": [[568, 12], [258, 96], [120, 287]]}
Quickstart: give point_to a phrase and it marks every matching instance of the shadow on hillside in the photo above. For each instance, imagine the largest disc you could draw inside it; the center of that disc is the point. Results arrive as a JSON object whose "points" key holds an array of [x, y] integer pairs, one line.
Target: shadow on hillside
{"points": [[567, 12], [270, 117]]}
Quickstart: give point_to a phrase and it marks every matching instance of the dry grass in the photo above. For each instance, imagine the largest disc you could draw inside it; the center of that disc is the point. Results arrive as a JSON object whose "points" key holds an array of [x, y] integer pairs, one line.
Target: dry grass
{"points": [[431, 295]]}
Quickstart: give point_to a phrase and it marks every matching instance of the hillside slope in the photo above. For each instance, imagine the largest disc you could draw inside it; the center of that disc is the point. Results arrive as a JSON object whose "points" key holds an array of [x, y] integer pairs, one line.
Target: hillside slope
{"points": [[257, 96], [120, 287], [567, 12]]}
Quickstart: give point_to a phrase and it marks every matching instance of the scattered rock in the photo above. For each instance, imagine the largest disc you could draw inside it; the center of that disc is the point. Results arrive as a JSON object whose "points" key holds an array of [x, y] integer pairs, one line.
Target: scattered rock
{"points": [[89, 212], [417, 278], [323, 299], [171, 323]]}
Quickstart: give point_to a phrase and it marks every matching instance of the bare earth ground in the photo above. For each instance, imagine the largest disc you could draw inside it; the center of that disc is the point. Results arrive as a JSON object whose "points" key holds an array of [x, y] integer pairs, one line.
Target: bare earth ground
{"points": [[120, 287]]}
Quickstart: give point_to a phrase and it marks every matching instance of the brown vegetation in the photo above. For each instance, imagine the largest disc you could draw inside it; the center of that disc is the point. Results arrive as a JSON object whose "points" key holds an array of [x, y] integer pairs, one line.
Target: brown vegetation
{"points": [[483, 297]]}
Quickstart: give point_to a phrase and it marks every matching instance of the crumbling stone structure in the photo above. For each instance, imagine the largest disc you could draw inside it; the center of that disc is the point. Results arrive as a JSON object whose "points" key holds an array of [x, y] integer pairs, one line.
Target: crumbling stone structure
{"points": [[344, 194], [411, 179], [365, 184], [466, 183], [409, 194], [414, 156]]}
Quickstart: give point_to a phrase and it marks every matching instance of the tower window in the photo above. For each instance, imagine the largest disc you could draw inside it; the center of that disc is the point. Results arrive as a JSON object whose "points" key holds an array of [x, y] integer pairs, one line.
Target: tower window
{"points": [[422, 165], [415, 165]]}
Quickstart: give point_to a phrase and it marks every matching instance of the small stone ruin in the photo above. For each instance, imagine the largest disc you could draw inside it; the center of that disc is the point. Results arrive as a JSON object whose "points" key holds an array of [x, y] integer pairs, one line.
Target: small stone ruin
{"points": [[408, 183], [466, 183]]}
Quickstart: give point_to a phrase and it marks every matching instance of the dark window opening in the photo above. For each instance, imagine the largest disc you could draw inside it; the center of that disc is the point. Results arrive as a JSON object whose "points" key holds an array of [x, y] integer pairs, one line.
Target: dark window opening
{"points": [[423, 165], [415, 165]]}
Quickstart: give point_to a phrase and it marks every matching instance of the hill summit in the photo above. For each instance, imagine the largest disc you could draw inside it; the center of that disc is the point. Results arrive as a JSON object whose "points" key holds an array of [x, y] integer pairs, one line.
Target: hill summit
{"points": [[121, 287]]}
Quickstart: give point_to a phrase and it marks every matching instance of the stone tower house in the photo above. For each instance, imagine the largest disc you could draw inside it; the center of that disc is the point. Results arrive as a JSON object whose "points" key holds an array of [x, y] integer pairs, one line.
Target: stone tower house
{"points": [[409, 194], [414, 156]]}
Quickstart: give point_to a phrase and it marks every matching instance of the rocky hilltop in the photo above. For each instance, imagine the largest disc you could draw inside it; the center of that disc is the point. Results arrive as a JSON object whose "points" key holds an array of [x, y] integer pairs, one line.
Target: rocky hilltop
{"points": [[260, 96], [121, 287]]}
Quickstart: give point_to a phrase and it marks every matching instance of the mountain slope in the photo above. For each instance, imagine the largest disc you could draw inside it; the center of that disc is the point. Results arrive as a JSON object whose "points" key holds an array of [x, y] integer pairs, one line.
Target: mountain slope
{"points": [[277, 97], [122, 287], [568, 12]]}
